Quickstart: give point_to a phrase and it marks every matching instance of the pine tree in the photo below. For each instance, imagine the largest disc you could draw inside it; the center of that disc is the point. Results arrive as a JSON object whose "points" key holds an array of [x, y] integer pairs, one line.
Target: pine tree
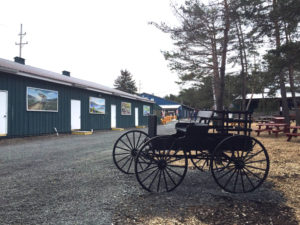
{"points": [[201, 42], [125, 82]]}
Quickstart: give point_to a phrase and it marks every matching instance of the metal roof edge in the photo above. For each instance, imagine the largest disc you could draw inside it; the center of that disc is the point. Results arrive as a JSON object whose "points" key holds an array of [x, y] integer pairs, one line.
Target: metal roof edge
{"points": [[41, 74]]}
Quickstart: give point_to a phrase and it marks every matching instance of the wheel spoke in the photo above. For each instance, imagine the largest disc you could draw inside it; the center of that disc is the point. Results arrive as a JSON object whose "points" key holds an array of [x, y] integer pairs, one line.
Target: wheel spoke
{"points": [[242, 182], [158, 180], [166, 184], [149, 175], [236, 179], [262, 160], [125, 144], [174, 172], [170, 177], [123, 158], [252, 173], [253, 145], [253, 155], [227, 182], [130, 165], [126, 162], [248, 179], [133, 139], [137, 143], [128, 150], [223, 175], [122, 154], [129, 142], [153, 179], [257, 168], [219, 169]]}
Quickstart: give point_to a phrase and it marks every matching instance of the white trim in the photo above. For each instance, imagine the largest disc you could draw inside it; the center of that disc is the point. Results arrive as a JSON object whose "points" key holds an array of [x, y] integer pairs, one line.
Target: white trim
{"points": [[169, 106], [29, 110], [72, 113], [111, 116], [5, 134], [136, 116]]}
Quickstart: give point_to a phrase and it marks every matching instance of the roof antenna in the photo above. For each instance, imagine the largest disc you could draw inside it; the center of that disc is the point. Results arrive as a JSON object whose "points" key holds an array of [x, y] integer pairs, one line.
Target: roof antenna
{"points": [[21, 34]]}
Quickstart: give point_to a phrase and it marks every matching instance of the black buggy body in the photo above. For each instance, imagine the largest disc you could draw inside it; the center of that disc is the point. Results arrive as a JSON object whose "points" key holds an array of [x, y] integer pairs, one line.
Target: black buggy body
{"points": [[220, 143]]}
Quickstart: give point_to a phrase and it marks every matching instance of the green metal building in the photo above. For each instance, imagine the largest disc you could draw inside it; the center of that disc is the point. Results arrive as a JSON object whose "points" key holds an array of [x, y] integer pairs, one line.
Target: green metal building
{"points": [[34, 101]]}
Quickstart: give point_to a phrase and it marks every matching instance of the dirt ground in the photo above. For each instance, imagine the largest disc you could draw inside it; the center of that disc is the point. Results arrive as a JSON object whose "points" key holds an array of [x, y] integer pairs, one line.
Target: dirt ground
{"points": [[200, 201], [73, 180]]}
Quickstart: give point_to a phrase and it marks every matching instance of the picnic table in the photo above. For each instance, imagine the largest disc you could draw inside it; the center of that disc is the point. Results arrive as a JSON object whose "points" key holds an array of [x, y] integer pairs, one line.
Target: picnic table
{"points": [[278, 119], [294, 133], [272, 127]]}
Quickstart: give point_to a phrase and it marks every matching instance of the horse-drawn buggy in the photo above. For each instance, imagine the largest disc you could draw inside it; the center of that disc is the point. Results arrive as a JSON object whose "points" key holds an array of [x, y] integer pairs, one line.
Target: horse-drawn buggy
{"points": [[219, 143]]}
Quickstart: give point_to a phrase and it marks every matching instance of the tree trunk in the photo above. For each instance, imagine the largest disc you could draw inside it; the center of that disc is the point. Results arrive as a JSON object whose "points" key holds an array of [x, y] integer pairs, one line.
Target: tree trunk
{"points": [[224, 53], [216, 75], [292, 86], [243, 75], [292, 83], [285, 108]]}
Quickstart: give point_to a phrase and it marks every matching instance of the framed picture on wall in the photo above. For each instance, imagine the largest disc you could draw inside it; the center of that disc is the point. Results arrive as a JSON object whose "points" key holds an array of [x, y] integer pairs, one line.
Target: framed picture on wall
{"points": [[125, 108], [146, 110], [97, 105], [44, 100]]}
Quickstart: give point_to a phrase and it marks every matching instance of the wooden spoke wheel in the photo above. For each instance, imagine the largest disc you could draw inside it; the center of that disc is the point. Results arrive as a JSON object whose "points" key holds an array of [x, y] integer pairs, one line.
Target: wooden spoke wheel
{"points": [[200, 159], [239, 164], [126, 148], [159, 166]]}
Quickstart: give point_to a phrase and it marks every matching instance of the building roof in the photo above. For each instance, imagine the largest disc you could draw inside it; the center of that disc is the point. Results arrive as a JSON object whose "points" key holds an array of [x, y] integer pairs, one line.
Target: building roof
{"points": [[162, 101], [267, 96], [18, 69], [169, 106], [159, 100]]}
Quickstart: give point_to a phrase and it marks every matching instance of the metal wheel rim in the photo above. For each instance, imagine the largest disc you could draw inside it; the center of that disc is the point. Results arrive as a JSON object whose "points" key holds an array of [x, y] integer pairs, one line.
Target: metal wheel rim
{"points": [[124, 153], [243, 173], [154, 179]]}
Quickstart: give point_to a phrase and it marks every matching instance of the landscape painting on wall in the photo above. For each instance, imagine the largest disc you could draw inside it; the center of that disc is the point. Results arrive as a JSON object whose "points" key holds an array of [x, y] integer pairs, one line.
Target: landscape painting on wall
{"points": [[125, 108], [97, 105], [42, 100], [146, 110]]}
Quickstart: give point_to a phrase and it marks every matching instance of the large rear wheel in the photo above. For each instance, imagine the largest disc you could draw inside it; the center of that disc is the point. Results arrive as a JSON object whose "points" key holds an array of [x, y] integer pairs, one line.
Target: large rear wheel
{"points": [[239, 164], [160, 166]]}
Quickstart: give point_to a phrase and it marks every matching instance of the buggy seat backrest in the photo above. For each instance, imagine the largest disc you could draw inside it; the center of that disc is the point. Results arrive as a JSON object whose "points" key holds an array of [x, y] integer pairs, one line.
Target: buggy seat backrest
{"points": [[205, 116]]}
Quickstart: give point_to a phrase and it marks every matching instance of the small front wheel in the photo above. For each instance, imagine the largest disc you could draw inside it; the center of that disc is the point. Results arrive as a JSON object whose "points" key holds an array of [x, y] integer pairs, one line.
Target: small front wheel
{"points": [[160, 166]]}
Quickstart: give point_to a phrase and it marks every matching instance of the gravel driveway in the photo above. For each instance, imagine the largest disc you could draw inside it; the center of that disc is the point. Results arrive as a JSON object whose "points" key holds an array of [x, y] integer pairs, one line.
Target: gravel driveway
{"points": [[72, 180], [62, 180]]}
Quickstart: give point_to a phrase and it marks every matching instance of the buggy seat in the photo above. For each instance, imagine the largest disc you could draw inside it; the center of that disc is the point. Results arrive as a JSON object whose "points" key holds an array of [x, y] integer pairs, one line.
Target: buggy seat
{"points": [[201, 127]]}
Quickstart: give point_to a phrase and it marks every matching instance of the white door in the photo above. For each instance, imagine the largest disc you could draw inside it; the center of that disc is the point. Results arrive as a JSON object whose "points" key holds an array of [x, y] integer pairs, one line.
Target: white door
{"points": [[3, 113], [136, 113], [113, 113], [75, 115]]}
